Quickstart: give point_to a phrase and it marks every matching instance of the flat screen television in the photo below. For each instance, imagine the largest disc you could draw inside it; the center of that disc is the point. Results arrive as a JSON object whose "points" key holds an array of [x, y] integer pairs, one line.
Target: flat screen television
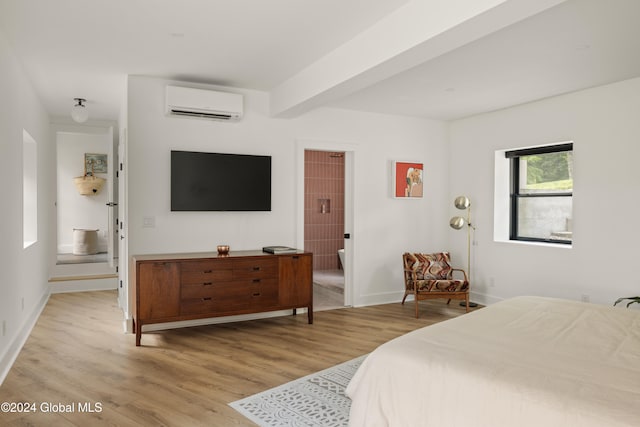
{"points": [[220, 182]]}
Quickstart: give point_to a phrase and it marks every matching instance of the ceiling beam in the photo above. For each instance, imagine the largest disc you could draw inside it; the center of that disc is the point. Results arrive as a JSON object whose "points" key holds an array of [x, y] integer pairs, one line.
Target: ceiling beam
{"points": [[414, 34]]}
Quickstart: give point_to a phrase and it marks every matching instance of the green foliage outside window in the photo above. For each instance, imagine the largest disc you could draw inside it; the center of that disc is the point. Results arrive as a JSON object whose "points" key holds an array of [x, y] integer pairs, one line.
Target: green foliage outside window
{"points": [[550, 171]]}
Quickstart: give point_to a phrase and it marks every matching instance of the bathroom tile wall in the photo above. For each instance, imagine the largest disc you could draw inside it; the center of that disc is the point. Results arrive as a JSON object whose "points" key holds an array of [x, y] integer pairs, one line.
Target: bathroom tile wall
{"points": [[324, 207]]}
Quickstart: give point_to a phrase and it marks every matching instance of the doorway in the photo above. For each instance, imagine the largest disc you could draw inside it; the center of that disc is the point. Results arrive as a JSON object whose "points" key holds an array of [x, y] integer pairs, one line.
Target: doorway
{"points": [[324, 225], [85, 229]]}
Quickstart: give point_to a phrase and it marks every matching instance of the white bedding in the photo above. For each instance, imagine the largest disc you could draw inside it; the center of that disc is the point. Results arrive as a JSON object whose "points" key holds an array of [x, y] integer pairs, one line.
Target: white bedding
{"points": [[527, 361]]}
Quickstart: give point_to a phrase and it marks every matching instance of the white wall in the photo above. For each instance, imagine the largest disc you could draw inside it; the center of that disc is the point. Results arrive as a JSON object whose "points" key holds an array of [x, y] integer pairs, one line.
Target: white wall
{"points": [[603, 124], [384, 227], [23, 272], [74, 209]]}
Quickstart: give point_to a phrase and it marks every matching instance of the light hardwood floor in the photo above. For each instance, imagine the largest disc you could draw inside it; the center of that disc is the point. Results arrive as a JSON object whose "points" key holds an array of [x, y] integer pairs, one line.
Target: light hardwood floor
{"points": [[77, 354]]}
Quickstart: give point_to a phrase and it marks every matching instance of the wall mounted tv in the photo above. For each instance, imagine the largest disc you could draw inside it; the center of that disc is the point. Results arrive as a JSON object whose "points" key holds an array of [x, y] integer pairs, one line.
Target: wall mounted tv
{"points": [[220, 182]]}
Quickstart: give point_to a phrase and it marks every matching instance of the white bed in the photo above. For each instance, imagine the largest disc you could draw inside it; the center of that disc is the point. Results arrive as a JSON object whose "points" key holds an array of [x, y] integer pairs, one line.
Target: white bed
{"points": [[527, 361]]}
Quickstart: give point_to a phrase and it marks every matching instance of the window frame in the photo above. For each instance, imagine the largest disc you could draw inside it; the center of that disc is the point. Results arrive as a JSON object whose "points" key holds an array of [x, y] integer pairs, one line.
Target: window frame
{"points": [[515, 195], [29, 190]]}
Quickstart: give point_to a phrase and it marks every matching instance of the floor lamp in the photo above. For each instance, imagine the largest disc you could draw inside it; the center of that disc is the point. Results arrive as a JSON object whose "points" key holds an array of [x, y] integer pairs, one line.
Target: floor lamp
{"points": [[458, 223]]}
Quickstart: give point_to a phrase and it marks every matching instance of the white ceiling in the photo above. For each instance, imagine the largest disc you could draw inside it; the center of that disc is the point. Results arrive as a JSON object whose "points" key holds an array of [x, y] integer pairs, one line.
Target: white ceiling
{"points": [[576, 45], [80, 48]]}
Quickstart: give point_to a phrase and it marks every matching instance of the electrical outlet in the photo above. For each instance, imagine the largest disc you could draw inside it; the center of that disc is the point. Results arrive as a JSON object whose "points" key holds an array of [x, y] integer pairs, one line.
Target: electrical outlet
{"points": [[585, 298], [22, 303], [492, 282], [149, 221], [4, 327]]}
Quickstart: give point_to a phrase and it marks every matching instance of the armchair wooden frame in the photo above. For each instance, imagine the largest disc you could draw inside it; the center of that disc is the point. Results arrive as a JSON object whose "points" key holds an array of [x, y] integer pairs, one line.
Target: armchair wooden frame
{"points": [[411, 280]]}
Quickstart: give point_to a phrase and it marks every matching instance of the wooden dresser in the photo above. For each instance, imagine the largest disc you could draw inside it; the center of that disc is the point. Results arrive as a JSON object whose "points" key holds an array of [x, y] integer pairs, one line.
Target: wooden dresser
{"points": [[174, 287]]}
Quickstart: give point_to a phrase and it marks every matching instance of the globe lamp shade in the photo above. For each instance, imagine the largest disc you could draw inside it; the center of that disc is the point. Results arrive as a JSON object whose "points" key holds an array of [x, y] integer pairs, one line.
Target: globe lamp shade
{"points": [[457, 222], [79, 111]]}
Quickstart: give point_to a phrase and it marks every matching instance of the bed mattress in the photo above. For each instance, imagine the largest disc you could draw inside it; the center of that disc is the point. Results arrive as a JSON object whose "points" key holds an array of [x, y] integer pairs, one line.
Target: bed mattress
{"points": [[527, 361]]}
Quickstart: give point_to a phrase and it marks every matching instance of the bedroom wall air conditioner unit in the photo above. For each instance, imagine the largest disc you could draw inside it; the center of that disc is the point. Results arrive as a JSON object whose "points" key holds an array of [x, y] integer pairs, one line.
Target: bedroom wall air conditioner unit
{"points": [[202, 103]]}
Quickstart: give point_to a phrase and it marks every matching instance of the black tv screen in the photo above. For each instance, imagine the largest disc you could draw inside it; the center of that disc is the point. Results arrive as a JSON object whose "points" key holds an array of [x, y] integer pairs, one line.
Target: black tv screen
{"points": [[220, 182]]}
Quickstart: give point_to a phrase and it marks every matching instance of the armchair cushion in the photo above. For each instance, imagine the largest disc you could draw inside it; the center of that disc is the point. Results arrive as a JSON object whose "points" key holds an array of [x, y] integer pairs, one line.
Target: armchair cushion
{"points": [[442, 285], [432, 273], [431, 266]]}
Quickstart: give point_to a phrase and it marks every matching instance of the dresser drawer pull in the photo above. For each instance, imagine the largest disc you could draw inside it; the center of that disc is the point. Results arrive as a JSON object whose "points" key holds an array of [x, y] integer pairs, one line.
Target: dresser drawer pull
{"points": [[208, 271], [256, 280], [206, 299], [256, 268], [256, 294], [208, 283]]}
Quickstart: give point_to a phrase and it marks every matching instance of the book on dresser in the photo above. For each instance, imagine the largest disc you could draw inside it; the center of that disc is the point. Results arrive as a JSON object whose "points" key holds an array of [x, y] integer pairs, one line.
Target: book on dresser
{"points": [[187, 286], [279, 250]]}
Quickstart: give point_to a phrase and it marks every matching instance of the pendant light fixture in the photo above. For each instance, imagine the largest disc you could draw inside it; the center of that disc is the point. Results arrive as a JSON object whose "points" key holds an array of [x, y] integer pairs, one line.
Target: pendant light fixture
{"points": [[79, 112]]}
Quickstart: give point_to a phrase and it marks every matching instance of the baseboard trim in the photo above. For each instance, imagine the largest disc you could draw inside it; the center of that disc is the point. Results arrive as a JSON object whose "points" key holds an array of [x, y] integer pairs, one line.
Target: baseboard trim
{"points": [[104, 282], [380, 298], [484, 299], [393, 297], [86, 277], [8, 359]]}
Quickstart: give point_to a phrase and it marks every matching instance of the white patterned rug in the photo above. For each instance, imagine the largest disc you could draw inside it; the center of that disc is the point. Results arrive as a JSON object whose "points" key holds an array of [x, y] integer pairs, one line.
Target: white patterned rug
{"points": [[315, 400]]}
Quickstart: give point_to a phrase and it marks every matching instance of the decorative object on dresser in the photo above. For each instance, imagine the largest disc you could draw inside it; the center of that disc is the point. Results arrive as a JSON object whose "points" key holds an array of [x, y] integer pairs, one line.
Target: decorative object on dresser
{"points": [[187, 286]]}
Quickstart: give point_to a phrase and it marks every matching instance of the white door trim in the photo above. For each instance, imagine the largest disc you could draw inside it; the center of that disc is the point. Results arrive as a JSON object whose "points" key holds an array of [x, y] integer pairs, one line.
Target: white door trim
{"points": [[350, 150]]}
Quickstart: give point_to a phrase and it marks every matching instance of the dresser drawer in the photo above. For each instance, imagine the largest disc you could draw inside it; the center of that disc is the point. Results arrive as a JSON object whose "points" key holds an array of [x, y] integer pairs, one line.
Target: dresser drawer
{"points": [[226, 290], [197, 290], [247, 290], [199, 306], [199, 272], [251, 268], [227, 297]]}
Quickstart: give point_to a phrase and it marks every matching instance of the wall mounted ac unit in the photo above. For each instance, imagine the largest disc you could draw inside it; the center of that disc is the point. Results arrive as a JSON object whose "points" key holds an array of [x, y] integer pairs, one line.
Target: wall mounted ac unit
{"points": [[202, 103]]}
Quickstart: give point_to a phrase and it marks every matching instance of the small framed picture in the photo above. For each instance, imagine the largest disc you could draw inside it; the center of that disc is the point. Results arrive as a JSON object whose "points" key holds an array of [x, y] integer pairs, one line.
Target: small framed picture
{"points": [[408, 180], [95, 163]]}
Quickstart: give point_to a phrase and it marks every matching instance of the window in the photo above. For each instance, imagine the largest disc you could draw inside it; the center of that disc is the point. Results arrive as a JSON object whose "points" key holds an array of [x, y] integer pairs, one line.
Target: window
{"points": [[29, 190], [541, 193]]}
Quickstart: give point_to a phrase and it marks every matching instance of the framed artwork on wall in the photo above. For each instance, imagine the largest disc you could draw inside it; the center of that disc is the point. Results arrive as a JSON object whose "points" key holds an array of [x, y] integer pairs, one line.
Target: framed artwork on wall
{"points": [[95, 163], [407, 180]]}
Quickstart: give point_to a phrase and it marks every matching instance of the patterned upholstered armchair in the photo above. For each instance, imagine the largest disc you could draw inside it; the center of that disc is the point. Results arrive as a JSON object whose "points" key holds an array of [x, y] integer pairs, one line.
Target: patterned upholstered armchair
{"points": [[428, 276]]}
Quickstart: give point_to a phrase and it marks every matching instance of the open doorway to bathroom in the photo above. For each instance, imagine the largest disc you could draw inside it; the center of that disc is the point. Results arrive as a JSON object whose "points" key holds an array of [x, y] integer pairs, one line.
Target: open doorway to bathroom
{"points": [[324, 225]]}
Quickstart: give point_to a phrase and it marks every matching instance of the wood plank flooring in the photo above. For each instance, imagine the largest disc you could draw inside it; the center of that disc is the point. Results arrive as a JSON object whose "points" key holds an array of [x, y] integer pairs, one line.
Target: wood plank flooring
{"points": [[77, 354]]}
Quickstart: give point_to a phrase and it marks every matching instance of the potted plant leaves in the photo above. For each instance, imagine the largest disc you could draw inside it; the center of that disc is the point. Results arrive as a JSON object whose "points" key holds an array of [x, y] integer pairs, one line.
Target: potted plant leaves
{"points": [[631, 300]]}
